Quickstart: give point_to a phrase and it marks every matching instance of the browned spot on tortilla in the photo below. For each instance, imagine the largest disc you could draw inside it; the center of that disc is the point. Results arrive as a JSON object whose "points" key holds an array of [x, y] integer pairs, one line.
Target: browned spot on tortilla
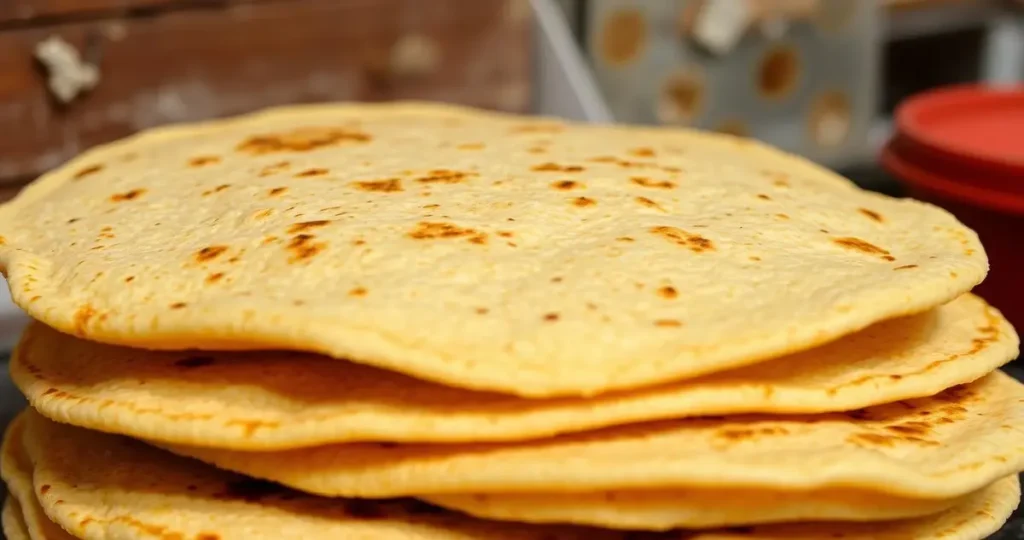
{"points": [[583, 202], [302, 247], [202, 161], [470, 146], [249, 428], [309, 173], [301, 140], [642, 152], [668, 293], [445, 176], [214, 277], [44, 489], [649, 183], [739, 434], [915, 429], [905, 267], [127, 196], [88, 171], [426, 230], [536, 150], [763, 197], [887, 440], [551, 317], [358, 291], [129, 279], [506, 234], [482, 311], [275, 168], [856, 244], [871, 214], [273, 192], [217, 189], [265, 213], [178, 305], [872, 439], [625, 239], [778, 179], [566, 185], [82, 316], [209, 253], [554, 167], [387, 185], [668, 323], [644, 201], [693, 242], [627, 164], [754, 258], [783, 217], [307, 225]]}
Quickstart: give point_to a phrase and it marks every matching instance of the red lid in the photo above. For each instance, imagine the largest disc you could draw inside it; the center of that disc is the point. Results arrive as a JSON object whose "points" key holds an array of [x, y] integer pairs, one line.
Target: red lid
{"points": [[966, 142]]}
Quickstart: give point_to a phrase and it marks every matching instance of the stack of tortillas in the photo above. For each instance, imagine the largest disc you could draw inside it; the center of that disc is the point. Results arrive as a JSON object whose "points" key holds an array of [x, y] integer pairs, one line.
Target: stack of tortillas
{"points": [[415, 321]]}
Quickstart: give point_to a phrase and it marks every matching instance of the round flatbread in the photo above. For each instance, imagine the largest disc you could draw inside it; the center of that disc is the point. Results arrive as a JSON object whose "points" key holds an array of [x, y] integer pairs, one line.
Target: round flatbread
{"points": [[14, 522], [280, 400], [101, 486], [477, 250], [943, 446], [698, 508], [28, 520], [977, 518], [111, 486]]}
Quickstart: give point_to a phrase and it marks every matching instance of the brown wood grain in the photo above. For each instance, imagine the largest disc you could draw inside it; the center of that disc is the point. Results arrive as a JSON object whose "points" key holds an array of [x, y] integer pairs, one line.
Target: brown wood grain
{"points": [[28, 10], [198, 64], [39, 12]]}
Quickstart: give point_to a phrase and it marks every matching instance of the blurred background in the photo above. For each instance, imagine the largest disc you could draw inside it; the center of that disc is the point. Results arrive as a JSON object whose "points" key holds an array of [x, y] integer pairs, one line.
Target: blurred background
{"points": [[817, 77], [821, 78]]}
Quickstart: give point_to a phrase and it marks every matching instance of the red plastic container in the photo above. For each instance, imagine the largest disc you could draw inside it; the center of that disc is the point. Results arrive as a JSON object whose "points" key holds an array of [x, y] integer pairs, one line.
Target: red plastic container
{"points": [[962, 148]]}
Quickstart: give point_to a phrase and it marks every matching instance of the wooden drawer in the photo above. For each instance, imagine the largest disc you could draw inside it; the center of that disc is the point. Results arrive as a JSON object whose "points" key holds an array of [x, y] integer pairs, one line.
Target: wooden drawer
{"points": [[173, 61]]}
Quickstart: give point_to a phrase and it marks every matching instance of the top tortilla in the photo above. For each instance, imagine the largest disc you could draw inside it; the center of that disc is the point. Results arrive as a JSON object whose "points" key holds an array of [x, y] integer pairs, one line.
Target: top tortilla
{"points": [[478, 250]]}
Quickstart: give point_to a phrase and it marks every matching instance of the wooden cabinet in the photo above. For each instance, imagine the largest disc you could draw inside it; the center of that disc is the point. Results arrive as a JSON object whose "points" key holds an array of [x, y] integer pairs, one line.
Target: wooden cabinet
{"points": [[164, 61]]}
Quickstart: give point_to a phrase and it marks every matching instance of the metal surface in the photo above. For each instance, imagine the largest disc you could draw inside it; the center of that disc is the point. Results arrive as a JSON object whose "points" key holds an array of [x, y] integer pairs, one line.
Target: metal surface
{"points": [[831, 58], [563, 84]]}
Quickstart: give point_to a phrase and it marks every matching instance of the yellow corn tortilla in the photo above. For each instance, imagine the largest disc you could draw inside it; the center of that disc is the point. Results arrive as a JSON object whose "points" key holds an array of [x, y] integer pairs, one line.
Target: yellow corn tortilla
{"points": [[484, 251]]}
